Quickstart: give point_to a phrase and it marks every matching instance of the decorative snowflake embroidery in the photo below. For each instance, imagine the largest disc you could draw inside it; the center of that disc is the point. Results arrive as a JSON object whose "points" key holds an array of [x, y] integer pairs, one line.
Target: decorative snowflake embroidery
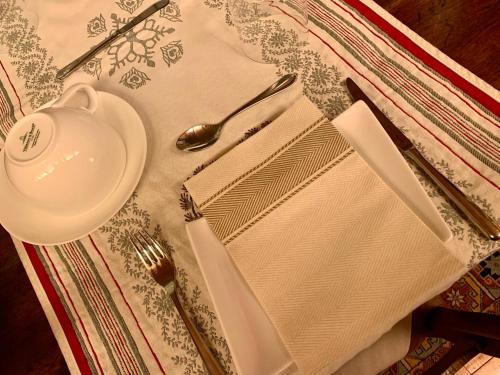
{"points": [[137, 46]]}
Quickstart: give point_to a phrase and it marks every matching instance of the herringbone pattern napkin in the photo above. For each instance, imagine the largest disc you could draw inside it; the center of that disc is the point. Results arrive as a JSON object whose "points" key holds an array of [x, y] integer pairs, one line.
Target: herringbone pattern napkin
{"points": [[331, 253]]}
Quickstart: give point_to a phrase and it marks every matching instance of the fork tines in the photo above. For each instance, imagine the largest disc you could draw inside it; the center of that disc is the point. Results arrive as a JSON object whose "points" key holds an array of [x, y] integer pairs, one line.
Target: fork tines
{"points": [[148, 249]]}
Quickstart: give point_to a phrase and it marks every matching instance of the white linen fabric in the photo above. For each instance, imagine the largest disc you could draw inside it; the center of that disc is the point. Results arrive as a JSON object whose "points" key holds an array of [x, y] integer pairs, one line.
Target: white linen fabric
{"points": [[332, 254], [388, 349]]}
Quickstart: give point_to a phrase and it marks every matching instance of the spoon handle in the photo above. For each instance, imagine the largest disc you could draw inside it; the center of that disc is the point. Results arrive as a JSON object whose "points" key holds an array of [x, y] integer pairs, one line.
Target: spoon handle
{"points": [[281, 84]]}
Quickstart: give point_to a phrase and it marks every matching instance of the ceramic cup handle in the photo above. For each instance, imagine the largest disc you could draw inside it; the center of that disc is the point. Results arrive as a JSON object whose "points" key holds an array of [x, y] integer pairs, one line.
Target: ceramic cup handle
{"points": [[72, 90]]}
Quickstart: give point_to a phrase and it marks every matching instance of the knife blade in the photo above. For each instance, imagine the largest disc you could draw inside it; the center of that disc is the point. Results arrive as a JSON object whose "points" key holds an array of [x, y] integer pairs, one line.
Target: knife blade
{"points": [[486, 225], [72, 66]]}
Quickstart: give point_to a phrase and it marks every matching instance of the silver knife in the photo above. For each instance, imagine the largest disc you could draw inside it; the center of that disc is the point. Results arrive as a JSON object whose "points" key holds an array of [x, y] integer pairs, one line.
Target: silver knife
{"points": [[487, 226], [68, 69]]}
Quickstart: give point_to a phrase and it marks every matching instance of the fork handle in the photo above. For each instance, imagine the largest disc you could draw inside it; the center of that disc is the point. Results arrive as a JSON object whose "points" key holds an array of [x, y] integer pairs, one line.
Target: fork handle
{"points": [[208, 358]]}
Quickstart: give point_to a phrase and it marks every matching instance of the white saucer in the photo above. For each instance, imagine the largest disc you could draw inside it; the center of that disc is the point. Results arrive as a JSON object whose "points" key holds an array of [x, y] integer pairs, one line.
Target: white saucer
{"points": [[35, 225]]}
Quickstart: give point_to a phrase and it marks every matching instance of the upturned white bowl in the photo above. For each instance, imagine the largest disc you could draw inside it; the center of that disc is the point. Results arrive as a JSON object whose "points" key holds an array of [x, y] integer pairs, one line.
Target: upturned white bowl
{"points": [[62, 159]]}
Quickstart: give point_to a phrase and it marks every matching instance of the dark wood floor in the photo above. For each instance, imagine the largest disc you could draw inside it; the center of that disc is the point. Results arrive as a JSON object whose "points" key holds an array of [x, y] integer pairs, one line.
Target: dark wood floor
{"points": [[466, 30]]}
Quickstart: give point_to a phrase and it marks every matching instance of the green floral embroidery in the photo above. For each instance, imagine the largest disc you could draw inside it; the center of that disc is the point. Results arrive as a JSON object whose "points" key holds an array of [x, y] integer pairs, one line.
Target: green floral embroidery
{"points": [[186, 202], [134, 79], [216, 4], [93, 67], [96, 26], [172, 52], [171, 12], [323, 84], [33, 66], [459, 226], [130, 5], [191, 211], [284, 48]]}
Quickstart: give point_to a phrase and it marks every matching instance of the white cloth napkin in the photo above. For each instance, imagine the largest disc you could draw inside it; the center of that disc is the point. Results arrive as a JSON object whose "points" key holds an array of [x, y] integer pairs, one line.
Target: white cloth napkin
{"points": [[255, 346], [332, 254]]}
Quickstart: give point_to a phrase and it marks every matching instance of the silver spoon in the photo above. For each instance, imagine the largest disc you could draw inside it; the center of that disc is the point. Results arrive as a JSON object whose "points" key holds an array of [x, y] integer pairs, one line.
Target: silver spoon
{"points": [[204, 135]]}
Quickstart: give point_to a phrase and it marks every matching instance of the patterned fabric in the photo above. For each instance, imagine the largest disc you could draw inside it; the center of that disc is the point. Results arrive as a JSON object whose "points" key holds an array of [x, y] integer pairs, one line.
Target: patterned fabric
{"points": [[332, 260], [315, 150], [182, 66], [477, 291], [137, 45]]}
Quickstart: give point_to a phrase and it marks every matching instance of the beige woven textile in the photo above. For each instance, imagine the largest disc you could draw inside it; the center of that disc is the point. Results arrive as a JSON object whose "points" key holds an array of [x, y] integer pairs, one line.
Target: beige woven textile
{"points": [[331, 253]]}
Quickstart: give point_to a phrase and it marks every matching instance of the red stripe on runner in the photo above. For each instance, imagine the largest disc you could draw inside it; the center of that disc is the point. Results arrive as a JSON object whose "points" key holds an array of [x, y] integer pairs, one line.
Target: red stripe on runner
{"points": [[72, 304], [105, 315], [406, 58], [417, 51], [58, 308], [406, 113], [126, 302], [99, 303], [289, 15], [439, 111], [13, 88], [432, 105], [466, 102]]}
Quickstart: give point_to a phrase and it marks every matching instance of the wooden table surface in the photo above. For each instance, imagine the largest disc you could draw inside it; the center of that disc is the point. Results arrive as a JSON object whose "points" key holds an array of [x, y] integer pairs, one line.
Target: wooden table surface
{"points": [[466, 30]]}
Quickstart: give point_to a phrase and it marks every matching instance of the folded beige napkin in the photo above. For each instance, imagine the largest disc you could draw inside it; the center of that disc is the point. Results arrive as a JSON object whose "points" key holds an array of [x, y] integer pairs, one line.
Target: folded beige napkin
{"points": [[332, 254]]}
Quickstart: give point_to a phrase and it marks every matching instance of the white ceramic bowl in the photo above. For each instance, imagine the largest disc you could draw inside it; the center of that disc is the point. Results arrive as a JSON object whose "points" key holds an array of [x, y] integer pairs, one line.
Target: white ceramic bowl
{"points": [[62, 159]]}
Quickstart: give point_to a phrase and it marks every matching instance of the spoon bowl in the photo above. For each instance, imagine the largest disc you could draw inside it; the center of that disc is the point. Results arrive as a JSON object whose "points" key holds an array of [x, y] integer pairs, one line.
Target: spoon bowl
{"points": [[200, 136]]}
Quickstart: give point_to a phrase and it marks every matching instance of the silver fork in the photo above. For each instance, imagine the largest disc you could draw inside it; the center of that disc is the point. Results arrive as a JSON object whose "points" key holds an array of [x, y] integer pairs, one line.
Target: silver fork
{"points": [[162, 269]]}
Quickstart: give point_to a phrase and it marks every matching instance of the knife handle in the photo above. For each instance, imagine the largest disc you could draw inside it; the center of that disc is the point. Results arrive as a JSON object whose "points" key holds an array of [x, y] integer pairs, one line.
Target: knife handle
{"points": [[68, 69], [470, 209]]}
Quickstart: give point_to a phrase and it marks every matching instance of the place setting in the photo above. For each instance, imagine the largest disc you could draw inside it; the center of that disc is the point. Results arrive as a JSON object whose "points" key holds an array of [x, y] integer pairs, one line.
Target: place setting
{"points": [[270, 192]]}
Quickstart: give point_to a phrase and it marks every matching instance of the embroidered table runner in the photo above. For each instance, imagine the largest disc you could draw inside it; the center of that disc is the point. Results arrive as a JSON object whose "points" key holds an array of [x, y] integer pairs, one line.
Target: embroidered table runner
{"points": [[183, 66]]}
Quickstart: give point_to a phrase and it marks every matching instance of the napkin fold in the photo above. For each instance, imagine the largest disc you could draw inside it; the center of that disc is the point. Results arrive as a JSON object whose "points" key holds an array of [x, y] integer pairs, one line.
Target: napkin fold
{"points": [[332, 254]]}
